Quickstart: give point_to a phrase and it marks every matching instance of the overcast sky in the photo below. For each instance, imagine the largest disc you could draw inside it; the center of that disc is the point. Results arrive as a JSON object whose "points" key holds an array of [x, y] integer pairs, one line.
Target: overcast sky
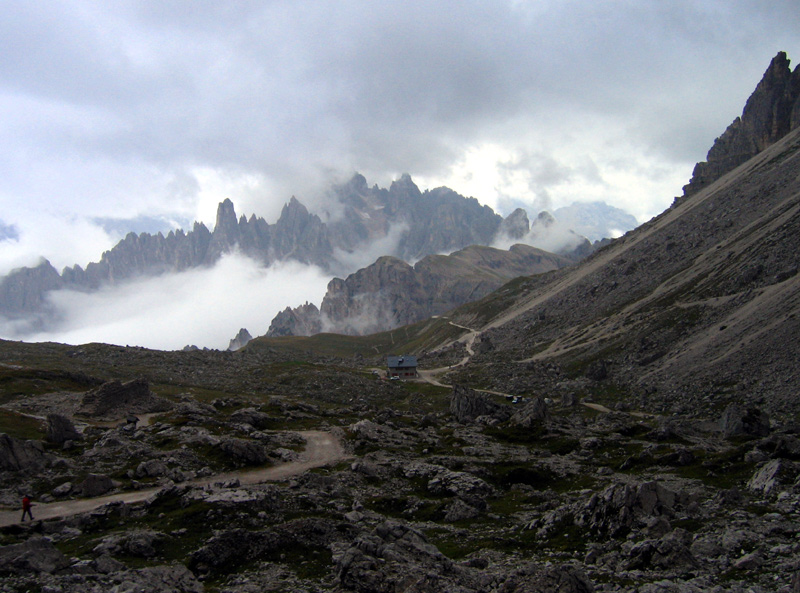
{"points": [[119, 110], [136, 114]]}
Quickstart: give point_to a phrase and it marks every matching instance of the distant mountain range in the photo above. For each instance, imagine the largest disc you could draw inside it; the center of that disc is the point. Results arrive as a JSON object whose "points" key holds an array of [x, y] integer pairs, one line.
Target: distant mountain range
{"points": [[368, 222]]}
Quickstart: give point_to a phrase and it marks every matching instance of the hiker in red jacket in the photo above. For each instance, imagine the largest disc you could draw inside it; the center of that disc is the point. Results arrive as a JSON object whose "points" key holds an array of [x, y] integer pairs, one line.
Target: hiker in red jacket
{"points": [[26, 507]]}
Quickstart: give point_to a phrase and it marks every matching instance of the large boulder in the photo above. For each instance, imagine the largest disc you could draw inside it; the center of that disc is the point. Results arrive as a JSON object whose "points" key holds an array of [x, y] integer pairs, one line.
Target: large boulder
{"points": [[549, 579], [35, 555], [60, 429], [152, 468], [772, 474], [467, 405], [737, 421], [141, 543], [533, 413], [620, 506], [243, 451], [96, 485], [394, 557], [18, 454], [253, 417]]}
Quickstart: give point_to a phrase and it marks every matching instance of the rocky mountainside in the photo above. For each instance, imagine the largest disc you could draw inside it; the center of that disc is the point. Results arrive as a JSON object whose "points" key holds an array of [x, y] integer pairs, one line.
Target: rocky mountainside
{"points": [[771, 112], [690, 312], [391, 293]]}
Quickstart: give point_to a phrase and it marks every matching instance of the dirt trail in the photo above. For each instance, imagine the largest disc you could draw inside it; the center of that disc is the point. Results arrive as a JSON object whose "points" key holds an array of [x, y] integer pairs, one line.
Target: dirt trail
{"points": [[322, 448]]}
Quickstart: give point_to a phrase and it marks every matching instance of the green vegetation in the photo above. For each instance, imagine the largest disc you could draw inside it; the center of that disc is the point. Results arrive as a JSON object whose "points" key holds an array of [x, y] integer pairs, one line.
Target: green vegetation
{"points": [[20, 426]]}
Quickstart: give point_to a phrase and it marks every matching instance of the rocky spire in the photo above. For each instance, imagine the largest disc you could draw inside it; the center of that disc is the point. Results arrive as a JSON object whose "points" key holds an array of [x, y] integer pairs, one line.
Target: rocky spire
{"points": [[771, 112]]}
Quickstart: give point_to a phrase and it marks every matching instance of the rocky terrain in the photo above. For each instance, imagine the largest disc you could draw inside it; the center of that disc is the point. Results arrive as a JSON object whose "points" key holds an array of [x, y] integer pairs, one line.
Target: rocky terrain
{"points": [[629, 424], [391, 293], [445, 489]]}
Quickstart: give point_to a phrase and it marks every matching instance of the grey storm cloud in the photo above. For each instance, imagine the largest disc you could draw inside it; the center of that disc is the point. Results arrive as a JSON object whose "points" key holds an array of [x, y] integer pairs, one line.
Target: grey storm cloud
{"points": [[145, 114], [118, 109]]}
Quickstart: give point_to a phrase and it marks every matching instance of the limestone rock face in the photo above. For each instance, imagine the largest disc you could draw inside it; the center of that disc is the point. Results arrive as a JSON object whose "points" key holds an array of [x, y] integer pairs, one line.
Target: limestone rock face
{"points": [[115, 400], [771, 112], [433, 222], [516, 225]]}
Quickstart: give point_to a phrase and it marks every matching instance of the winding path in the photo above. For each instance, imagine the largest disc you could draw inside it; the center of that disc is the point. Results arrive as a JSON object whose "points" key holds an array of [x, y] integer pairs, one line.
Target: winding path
{"points": [[322, 448]]}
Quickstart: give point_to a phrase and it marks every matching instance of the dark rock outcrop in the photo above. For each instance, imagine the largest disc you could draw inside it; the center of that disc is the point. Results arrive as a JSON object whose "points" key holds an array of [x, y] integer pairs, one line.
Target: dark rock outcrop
{"points": [[550, 579], [533, 413], [18, 454], [244, 451], [115, 400], [36, 555], [231, 548], [95, 485], [468, 405], [393, 558], [738, 421], [771, 112], [60, 429]]}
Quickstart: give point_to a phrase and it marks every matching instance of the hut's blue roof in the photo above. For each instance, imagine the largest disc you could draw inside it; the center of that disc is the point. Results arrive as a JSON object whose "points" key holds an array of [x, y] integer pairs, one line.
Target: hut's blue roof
{"points": [[401, 362]]}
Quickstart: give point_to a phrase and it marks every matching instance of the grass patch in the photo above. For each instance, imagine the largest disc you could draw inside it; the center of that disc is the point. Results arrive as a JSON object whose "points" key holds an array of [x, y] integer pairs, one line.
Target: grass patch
{"points": [[21, 426], [723, 470]]}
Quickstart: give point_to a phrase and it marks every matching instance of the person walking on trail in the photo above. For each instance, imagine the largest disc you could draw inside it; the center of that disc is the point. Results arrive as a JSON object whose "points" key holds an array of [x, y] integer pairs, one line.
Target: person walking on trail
{"points": [[26, 508]]}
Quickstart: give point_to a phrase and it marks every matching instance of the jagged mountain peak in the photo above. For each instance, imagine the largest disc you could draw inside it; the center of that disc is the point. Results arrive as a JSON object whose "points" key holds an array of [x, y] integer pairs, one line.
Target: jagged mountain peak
{"points": [[771, 112], [404, 185], [226, 215]]}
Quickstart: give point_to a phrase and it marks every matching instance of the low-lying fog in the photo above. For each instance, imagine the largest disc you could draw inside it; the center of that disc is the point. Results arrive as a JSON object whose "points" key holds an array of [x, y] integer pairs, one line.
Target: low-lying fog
{"points": [[203, 307]]}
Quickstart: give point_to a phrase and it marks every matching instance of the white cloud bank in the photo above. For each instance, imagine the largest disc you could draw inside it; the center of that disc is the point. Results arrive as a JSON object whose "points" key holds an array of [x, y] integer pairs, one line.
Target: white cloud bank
{"points": [[205, 307]]}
